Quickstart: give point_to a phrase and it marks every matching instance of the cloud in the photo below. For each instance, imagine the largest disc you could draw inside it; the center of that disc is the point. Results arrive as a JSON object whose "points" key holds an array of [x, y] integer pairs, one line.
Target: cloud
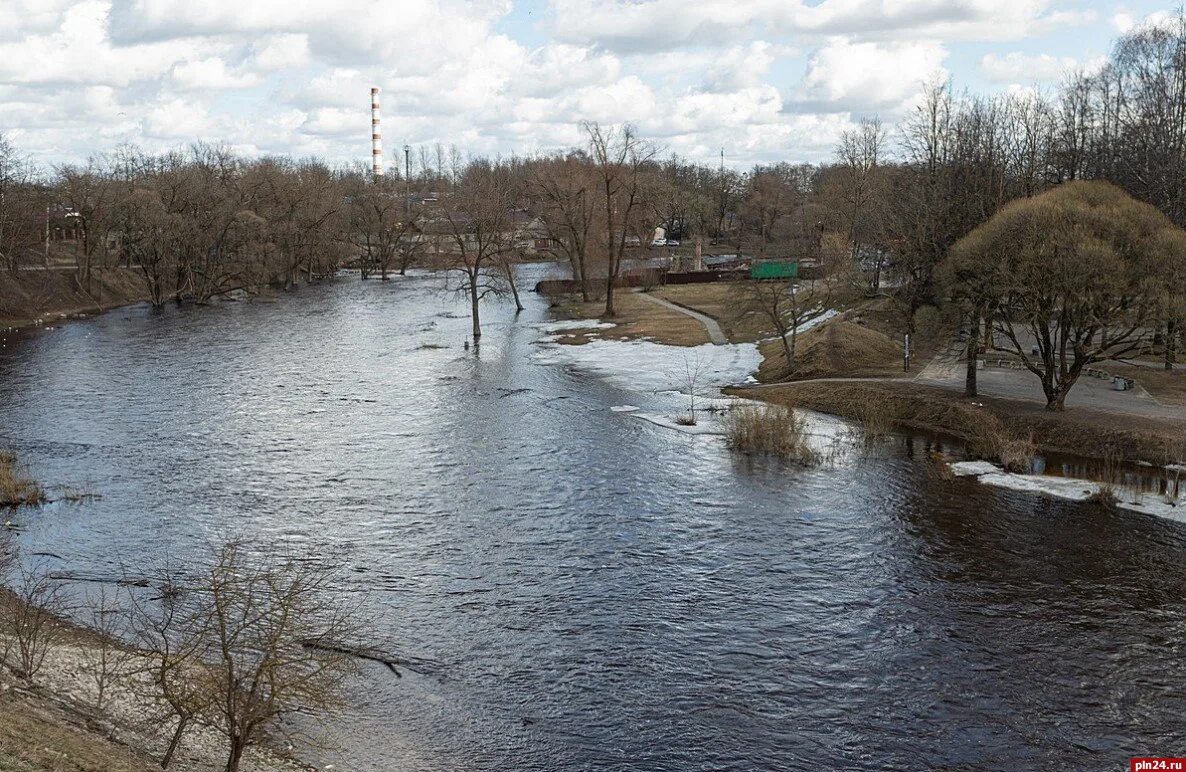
{"points": [[210, 75], [1018, 67], [740, 67], [650, 25], [767, 79], [847, 76], [279, 52]]}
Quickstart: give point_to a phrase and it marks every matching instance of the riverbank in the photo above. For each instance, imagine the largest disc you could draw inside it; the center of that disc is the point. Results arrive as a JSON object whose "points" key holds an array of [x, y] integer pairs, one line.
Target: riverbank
{"points": [[32, 297], [984, 423], [848, 362], [51, 724]]}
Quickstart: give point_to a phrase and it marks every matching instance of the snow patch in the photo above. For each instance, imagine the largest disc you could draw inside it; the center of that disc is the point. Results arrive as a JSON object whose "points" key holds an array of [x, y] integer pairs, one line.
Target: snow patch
{"points": [[623, 408], [703, 425], [575, 324], [974, 468], [1070, 489], [646, 366], [816, 321]]}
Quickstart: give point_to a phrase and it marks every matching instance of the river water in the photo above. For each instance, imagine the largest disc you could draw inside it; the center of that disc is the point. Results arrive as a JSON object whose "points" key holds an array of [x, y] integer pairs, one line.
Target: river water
{"points": [[577, 589]]}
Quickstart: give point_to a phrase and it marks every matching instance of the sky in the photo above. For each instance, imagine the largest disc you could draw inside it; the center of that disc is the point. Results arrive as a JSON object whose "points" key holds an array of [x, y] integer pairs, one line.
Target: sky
{"points": [[766, 80]]}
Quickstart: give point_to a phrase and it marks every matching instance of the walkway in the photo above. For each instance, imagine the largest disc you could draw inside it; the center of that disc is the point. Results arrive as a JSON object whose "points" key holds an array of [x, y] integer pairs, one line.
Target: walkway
{"points": [[715, 333]]}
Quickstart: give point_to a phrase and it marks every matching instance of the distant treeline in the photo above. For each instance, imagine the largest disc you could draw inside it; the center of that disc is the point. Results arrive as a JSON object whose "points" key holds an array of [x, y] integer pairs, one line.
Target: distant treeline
{"points": [[890, 205]]}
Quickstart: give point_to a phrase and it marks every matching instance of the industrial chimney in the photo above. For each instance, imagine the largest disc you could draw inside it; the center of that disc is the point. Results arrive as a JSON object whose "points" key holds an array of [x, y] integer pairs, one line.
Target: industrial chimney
{"points": [[376, 138]]}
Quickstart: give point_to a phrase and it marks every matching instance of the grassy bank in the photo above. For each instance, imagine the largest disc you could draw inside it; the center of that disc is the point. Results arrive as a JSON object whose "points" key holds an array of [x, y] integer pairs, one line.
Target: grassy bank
{"points": [[636, 319], [990, 427], [31, 297]]}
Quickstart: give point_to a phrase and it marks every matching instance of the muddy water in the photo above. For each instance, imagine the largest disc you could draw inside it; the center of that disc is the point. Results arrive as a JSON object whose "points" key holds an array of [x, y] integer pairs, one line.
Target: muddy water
{"points": [[577, 589]]}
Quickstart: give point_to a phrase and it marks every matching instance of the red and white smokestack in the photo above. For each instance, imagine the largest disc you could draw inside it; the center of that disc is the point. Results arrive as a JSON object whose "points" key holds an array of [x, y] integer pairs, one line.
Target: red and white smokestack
{"points": [[376, 137]]}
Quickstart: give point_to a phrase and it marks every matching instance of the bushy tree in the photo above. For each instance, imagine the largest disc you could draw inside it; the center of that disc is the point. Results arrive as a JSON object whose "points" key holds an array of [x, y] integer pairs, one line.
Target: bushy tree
{"points": [[1081, 274]]}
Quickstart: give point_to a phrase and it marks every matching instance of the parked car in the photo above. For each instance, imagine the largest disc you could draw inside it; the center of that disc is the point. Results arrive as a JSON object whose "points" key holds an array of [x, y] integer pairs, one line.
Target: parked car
{"points": [[660, 243], [672, 242]]}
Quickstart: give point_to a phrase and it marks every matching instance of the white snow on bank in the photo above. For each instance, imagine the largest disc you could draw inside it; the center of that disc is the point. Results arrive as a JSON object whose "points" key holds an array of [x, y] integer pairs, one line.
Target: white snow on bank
{"points": [[575, 324], [816, 321], [645, 366], [1069, 489], [623, 408], [705, 424], [811, 323]]}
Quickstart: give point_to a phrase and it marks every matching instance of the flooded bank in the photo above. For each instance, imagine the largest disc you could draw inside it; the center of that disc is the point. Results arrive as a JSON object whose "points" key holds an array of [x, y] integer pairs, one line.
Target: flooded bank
{"points": [[574, 588]]}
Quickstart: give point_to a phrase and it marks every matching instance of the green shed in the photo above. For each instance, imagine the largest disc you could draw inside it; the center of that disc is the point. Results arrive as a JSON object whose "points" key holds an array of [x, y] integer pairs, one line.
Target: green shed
{"points": [[774, 269]]}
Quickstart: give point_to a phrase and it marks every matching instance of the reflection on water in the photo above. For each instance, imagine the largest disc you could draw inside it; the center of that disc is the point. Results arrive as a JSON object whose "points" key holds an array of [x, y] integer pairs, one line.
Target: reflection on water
{"points": [[577, 589]]}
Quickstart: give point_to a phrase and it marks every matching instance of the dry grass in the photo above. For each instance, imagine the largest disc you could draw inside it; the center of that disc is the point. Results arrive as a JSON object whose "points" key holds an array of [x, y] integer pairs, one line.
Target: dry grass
{"points": [[29, 296], [636, 318], [992, 429], [36, 736], [838, 348], [1016, 454], [725, 302], [1168, 386], [774, 430], [16, 487]]}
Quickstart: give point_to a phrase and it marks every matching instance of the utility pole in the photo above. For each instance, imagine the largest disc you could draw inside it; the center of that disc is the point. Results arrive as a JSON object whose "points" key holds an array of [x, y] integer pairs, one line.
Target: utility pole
{"points": [[407, 178], [47, 235]]}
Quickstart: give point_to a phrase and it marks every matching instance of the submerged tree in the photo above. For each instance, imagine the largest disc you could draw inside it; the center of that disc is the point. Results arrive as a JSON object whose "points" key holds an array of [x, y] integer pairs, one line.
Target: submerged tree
{"points": [[1079, 274]]}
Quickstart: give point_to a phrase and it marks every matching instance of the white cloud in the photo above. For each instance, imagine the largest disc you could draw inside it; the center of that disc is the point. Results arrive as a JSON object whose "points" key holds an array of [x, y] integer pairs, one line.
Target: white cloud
{"points": [[279, 52], [210, 74], [645, 25], [740, 67], [1018, 67], [845, 76], [768, 79]]}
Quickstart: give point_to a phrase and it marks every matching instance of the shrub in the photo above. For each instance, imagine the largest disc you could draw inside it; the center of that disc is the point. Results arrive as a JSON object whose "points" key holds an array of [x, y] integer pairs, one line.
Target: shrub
{"points": [[1016, 453], [17, 488], [769, 430]]}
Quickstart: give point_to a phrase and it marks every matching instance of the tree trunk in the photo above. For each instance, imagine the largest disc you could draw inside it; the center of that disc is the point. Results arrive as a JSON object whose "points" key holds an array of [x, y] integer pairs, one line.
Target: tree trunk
{"points": [[973, 357], [182, 723], [236, 754], [473, 308], [510, 269], [1171, 335], [609, 294]]}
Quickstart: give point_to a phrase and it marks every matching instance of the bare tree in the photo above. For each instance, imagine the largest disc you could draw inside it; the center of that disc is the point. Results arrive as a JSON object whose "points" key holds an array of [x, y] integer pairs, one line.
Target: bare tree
{"points": [[172, 630], [565, 190], [104, 659], [477, 217], [34, 627], [786, 307], [278, 642], [619, 157]]}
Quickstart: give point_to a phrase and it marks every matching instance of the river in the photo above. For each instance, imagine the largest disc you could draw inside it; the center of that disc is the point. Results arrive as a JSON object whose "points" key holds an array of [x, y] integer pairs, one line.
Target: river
{"points": [[576, 589]]}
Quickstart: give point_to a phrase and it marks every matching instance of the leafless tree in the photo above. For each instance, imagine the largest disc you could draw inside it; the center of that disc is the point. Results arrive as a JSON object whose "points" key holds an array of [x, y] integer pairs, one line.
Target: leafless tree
{"points": [[105, 658], [34, 627], [172, 630], [477, 217], [278, 641], [785, 307], [620, 158]]}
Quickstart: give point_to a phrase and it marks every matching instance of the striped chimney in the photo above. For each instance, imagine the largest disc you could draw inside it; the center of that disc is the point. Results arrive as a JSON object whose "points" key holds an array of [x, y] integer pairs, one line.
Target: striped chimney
{"points": [[376, 138]]}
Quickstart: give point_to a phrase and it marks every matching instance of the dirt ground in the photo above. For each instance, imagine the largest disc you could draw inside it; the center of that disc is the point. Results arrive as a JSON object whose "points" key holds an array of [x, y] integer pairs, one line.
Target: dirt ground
{"points": [[724, 302], [636, 319], [909, 405], [37, 734], [29, 297]]}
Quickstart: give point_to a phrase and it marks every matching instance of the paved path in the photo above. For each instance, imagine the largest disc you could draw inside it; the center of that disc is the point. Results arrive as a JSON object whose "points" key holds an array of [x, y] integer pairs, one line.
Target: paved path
{"points": [[715, 333], [1088, 392]]}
